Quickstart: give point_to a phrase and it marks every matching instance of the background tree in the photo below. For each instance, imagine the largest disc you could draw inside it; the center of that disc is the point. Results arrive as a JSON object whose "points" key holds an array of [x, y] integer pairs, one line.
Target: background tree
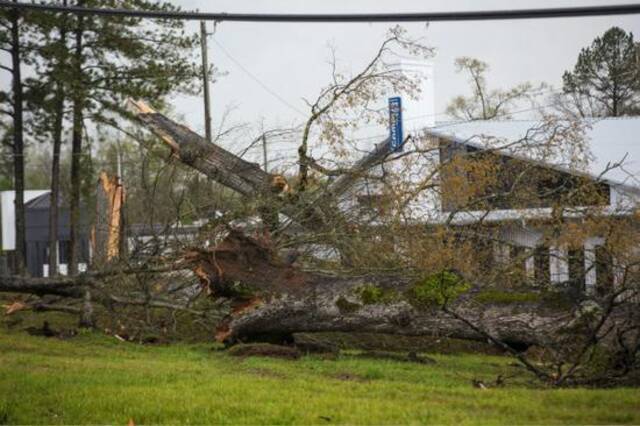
{"points": [[484, 103], [605, 80]]}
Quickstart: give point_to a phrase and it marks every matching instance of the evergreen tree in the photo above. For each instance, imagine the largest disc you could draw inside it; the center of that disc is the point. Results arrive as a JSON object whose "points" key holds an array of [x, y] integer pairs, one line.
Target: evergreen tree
{"points": [[606, 78]]}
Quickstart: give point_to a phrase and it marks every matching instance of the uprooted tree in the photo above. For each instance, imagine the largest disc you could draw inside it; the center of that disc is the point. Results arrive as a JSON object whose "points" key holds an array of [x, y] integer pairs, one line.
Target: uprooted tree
{"points": [[398, 242]]}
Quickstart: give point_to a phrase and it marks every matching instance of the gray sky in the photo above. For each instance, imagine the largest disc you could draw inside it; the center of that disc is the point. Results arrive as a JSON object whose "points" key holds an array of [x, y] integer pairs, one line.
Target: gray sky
{"points": [[291, 59]]}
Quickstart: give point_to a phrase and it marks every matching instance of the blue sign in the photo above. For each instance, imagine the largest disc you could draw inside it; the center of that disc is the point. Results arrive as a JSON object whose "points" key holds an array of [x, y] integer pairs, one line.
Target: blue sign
{"points": [[395, 124]]}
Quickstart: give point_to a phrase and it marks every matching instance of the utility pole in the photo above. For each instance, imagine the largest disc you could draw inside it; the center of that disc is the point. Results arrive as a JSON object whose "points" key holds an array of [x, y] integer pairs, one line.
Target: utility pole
{"points": [[205, 80], [264, 153]]}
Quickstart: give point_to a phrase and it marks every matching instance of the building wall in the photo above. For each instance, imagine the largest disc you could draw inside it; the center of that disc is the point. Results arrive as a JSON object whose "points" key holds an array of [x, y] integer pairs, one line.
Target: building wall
{"points": [[37, 240]]}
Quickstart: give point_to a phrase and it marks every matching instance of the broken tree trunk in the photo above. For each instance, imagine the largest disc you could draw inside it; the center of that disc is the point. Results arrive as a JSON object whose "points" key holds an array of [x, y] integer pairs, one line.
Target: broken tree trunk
{"points": [[107, 235], [212, 160], [274, 300]]}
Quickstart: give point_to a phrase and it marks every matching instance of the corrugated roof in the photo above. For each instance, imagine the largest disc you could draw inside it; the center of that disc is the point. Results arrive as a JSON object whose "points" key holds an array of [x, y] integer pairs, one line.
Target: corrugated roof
{"points": [[609, 140]]}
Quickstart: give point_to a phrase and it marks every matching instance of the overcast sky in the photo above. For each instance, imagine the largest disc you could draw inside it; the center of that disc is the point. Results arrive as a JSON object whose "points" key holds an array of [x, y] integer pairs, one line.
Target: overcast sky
{"points": [[291, 59]]}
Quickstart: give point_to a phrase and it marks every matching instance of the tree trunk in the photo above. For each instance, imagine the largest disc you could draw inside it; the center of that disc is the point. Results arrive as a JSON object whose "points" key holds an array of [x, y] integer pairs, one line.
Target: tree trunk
{"points": [[55, 182], [18, 144], [87, 319], [273, 299], [55, 162], [76, 150]]}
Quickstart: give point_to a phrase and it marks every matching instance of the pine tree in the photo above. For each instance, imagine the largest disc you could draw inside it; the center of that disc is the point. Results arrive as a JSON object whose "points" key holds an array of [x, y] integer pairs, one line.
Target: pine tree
{"points": [[606, 78]]}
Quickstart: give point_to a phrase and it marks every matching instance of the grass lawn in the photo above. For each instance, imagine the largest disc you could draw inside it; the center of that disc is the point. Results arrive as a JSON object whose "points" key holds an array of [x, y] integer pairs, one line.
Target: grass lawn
{"points": [[94, 378]]}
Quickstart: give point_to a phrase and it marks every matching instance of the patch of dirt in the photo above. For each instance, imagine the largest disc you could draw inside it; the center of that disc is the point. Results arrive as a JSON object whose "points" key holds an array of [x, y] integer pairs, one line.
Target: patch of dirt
{"points": [[264, 350]]}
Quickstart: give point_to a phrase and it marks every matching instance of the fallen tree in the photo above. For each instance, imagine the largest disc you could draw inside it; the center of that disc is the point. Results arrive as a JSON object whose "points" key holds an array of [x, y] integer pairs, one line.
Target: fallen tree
{"points": [[273, 300]]}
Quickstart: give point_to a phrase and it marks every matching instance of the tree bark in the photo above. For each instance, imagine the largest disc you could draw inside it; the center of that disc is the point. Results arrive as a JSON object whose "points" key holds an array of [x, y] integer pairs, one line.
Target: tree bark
{"points": [[18, 144]]}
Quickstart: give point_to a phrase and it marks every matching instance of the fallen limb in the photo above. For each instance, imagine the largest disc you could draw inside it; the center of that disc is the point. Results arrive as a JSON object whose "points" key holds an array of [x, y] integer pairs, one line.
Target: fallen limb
{"points": [[72, 286], [59, 286]]}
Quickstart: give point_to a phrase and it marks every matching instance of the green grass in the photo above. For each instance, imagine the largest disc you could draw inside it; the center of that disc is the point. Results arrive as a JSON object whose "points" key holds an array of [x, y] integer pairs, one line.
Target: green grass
{"points": [[93, 378]]}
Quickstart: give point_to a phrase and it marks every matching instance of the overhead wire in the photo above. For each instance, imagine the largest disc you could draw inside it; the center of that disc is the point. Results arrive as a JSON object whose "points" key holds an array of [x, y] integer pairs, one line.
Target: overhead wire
{"points": [[258, 81], [455, 16]]}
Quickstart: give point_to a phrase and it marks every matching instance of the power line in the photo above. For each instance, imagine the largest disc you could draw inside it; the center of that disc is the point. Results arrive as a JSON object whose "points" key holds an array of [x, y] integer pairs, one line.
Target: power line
{"points": [[258, 81], [480, 15]]}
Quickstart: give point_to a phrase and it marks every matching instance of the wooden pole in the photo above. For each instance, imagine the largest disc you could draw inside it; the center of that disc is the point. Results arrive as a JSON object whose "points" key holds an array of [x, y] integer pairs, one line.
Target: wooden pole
{"points": [[205, 81], [265, 160]]}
